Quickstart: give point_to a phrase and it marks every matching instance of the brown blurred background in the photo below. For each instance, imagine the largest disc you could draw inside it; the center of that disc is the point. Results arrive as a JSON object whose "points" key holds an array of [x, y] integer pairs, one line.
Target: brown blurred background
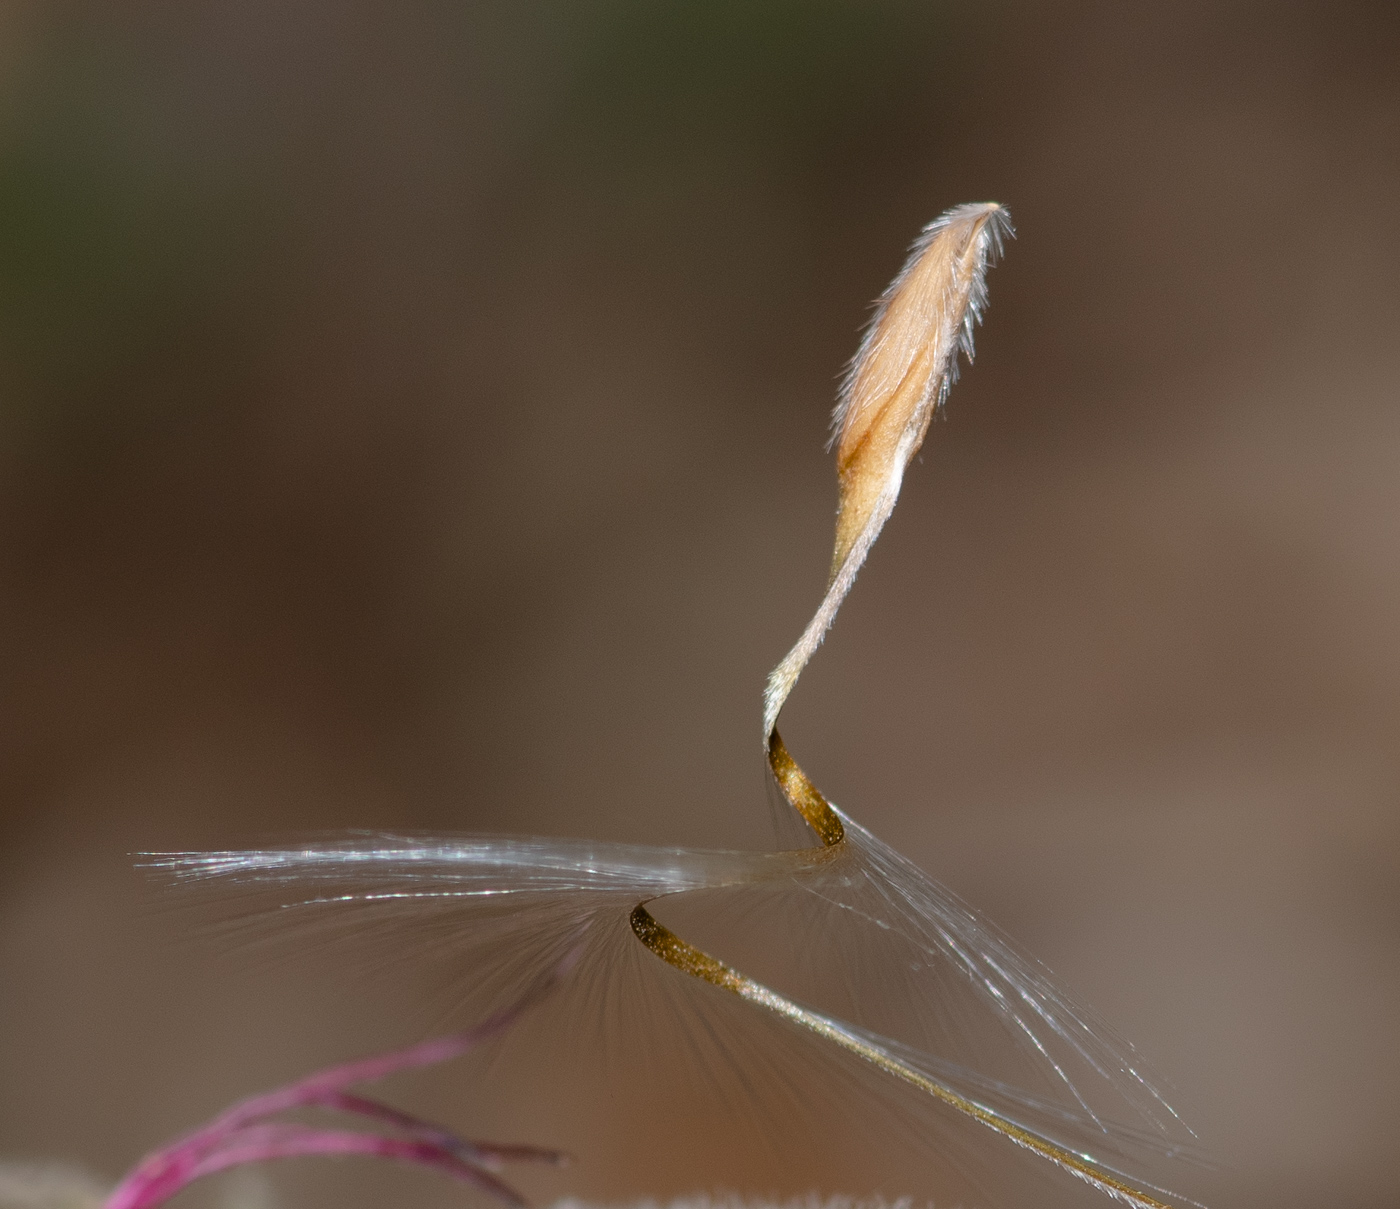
{"points": [[386, 386]]}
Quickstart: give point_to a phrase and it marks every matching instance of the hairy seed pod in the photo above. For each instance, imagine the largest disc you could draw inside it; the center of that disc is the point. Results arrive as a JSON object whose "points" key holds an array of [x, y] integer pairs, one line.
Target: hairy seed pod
{"points": [[897, 380]]}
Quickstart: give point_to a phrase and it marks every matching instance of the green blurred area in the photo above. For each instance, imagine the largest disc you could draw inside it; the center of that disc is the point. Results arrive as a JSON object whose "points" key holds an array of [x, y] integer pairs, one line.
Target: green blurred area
{"points": [[147, 228], [794, 86], [115, 252]]}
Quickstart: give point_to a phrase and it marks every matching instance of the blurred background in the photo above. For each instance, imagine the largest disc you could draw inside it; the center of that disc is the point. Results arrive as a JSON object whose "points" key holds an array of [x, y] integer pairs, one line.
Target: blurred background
{"points": [[411, 416]]}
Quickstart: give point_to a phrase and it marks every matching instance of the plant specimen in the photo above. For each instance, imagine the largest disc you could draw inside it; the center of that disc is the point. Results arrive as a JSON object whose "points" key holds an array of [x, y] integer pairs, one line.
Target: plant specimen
{"points": [[930, 988]]}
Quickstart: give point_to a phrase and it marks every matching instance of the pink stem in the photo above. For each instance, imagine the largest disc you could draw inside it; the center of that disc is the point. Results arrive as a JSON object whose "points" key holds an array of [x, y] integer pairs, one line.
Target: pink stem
{"points": [[260, 1143], [239, 1134], [491, 1155]]}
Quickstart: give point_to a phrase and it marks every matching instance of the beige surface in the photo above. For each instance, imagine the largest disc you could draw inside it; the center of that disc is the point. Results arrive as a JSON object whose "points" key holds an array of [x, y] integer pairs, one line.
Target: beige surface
{"points": [[409, 383]]}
